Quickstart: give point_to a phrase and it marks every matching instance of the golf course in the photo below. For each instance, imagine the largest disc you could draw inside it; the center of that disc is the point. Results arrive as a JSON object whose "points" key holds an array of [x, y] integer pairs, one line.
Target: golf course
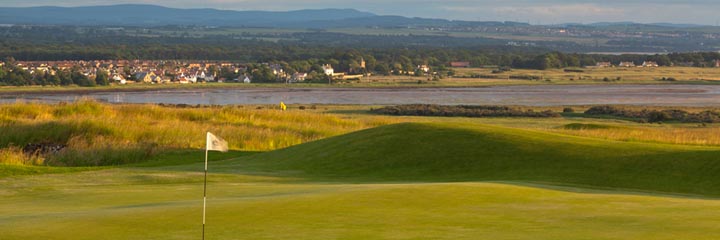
{"points": [[135, 171]]}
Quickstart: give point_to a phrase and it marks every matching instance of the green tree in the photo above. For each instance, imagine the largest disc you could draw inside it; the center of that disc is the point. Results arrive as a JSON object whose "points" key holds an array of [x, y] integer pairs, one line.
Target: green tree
{"points": [[53, 79], [102, 78], [81, 80], [65, 78], [263, 74]]}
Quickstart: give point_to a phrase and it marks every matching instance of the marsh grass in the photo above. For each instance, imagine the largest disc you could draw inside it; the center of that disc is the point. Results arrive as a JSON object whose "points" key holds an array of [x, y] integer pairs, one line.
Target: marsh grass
{"points": [[685, 135], [103, 134]]}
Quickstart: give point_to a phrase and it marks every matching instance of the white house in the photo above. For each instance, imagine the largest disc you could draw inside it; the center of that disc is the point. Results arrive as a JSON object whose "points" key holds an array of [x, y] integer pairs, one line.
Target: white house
{"points": [[650, 64], [626, 64], [329, 70], [118, 78]]}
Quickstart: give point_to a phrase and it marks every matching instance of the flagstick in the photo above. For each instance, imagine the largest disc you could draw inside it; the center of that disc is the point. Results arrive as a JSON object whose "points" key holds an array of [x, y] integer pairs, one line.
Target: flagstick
{"points": [[205, 192]]}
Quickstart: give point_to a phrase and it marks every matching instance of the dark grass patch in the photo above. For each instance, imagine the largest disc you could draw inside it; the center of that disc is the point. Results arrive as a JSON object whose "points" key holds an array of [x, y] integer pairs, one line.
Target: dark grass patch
{"points": [[462, 111], [653, 116]]}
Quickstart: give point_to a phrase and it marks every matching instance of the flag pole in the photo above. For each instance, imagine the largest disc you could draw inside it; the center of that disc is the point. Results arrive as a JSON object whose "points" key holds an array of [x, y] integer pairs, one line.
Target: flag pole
{"points": [[205, 191], [216, 144]]}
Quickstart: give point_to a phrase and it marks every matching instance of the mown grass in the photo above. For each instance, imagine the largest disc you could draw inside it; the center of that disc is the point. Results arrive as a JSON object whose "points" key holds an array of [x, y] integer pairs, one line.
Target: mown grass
{"points": [[102, 134], [157, 205], [434, 152], [406, 181]]}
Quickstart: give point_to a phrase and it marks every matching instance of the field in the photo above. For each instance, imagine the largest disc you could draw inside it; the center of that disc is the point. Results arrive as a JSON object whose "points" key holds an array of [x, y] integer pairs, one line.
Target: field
{"points": [[338, 172], [604, 75]]}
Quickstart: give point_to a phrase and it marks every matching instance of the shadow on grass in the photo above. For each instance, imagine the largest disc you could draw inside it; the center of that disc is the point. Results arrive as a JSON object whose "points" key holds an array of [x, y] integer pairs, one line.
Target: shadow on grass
{"points": [[20, 170], [189, 156], [166, 159]]}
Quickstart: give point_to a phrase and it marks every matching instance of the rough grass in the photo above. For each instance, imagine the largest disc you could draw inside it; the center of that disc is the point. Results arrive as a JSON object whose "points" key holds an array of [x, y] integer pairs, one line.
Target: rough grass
{"points": [[598, 75], [672, 134], [101, 134]]}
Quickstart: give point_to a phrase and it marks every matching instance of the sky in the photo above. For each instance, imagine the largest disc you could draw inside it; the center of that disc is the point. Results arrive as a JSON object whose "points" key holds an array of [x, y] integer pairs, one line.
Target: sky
{"points": [[532, 11]]}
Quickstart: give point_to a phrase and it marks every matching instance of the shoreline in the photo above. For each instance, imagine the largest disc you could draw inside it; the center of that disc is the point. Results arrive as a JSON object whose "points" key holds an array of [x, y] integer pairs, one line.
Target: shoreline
{"points": [[54, 90]]}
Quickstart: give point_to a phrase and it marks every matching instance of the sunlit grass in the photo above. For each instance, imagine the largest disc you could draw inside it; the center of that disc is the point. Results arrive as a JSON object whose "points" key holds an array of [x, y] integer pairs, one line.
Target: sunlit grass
{"points": [[103, 134], [709, 136]]}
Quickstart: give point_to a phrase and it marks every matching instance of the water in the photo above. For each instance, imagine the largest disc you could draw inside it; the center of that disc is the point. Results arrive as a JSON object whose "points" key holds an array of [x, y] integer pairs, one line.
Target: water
{"points": [[546, 95]]}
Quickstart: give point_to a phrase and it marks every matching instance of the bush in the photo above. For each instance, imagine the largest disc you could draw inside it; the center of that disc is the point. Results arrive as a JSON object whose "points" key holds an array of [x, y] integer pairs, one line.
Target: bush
{"points": [[658, 116], [461, 111], [568, 110], [501, 70], [651, 116], [525, 77]]}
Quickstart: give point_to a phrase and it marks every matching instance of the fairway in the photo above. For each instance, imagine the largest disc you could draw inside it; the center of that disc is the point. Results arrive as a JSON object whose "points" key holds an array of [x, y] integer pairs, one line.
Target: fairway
{"points": [[402, 181]]}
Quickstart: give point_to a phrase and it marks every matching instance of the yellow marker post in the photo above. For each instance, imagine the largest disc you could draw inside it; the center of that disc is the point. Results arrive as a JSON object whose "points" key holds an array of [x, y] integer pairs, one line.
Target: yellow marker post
{"points": [[283, 106]]}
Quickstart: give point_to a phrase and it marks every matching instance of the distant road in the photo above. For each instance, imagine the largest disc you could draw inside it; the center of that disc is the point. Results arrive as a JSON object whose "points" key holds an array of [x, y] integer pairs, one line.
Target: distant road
{"points": [[538, 95]]}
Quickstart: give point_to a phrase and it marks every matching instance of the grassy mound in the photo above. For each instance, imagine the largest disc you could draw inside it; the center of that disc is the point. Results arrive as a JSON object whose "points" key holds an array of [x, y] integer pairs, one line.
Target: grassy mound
{"points": [[451, 152]]}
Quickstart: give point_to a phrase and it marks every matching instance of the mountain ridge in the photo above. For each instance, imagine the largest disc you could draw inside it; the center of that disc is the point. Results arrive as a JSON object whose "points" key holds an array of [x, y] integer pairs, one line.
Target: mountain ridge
{"points": [[156, 15]]}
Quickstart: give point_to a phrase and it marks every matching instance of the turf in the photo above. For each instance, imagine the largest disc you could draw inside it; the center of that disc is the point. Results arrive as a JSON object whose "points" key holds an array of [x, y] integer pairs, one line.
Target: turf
{"points": [[432, 152], [402, 181], [155, 204]]}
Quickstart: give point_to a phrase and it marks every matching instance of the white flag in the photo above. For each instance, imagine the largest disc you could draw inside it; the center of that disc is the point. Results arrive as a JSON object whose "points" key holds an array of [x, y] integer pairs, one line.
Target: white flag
{"points": [[215, 143]]}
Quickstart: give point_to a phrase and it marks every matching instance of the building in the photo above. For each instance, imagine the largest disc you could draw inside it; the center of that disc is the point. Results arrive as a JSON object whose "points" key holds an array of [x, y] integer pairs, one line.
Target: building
{"points": [[603, 64], [278, 70], [328, 69], [298, 77], [460, 64], [650, 64], [147, 77], [626, 64], [118, 78], [423, 68]]}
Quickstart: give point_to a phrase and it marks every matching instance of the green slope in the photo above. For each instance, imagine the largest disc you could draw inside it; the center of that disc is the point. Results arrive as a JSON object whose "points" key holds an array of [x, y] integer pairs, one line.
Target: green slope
{"points": [[432, 152]]}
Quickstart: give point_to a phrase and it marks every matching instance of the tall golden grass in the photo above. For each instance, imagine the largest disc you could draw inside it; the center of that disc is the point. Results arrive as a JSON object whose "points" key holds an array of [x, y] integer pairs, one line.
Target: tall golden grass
{"points": [[103, 134], [706, 136]]}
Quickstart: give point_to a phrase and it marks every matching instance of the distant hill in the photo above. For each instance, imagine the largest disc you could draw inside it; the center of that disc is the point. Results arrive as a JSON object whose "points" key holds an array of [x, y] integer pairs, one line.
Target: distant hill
{"points": [[151, 15]]}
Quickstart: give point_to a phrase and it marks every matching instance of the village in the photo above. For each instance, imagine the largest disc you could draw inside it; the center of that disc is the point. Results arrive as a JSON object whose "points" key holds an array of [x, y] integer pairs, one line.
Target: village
{"points": [[121, 72], [185, 72]]}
